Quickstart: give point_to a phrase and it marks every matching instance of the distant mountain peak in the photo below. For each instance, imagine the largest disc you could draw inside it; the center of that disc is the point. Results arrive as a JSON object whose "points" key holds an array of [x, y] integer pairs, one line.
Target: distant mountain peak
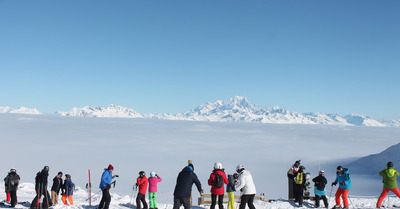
{"points": [[21, 110]]}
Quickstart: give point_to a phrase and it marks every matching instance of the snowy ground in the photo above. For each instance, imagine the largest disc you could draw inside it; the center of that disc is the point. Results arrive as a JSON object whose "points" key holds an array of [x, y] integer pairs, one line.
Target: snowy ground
{"points": [[74, 145], [26, 194]]}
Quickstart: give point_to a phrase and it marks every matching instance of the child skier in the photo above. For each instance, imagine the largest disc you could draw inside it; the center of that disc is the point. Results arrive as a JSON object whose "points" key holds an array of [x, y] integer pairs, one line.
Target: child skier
{"points": [[216, 181], [343, 178], [230, 189], [153, 180], [299, 180], [389, 175], [142, 182], [319, 188], [12, 181], [68, 190]]}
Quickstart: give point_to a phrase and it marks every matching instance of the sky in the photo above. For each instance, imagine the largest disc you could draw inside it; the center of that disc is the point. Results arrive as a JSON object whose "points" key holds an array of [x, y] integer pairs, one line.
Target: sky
{"points": [[171, 56]]}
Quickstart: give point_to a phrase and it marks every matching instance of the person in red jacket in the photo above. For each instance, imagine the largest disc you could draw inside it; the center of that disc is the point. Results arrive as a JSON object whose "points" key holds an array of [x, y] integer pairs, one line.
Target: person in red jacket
{"points": [[216, 181], [142, 182]]}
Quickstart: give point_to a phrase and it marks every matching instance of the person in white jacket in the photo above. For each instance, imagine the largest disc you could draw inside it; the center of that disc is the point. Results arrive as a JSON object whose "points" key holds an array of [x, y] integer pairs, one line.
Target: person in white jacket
{"points": [[246, 186]]}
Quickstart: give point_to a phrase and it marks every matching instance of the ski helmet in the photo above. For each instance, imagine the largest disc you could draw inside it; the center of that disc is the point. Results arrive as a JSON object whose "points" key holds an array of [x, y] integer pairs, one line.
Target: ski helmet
{"points": [[142, 173], [321, 172], [13, 170], [297, 163], [389, 164], [302, 168], [217, 165], [339, 168], [239, 168], [152, 174], [46, 168]]}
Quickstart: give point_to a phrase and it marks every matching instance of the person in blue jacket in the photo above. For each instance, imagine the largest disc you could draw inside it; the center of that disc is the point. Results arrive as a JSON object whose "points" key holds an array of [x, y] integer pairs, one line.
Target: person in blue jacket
{"points": [[183, 188], [343, 178], [105, 185]]}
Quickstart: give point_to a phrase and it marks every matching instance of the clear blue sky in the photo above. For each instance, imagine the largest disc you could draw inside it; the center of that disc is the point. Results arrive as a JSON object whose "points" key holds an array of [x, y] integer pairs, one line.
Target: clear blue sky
{"points": [[170, 56]]}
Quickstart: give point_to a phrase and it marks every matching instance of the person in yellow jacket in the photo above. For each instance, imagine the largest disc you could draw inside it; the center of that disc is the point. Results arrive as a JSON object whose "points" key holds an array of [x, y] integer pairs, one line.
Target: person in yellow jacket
{"points": [[389, 183], [299, 181]]}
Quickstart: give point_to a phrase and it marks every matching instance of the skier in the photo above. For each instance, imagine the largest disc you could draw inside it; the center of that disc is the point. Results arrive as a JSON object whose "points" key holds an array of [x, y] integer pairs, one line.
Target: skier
{"points": [[153, 180], [343, 178], [105, 185], [216, 181], [186, 178], [389, 175], [290, 174], [68, 190], [12, 181], [41, 189], [230, 189], [55, 188], [142, 183], [299, 180], [319, 188], [246, 186]]}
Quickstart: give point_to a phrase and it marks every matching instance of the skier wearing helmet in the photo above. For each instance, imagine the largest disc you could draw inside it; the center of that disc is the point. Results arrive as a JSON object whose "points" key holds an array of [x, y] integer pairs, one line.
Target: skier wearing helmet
{"points": [[319, 188], [142, 182], [12, 181], [246, 186], [343, 178], [216, 181], [153, 180], [389, 175], [299, 180]]}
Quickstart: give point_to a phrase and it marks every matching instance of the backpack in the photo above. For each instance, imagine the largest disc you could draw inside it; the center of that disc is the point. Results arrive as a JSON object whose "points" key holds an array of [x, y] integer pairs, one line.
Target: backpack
{"points": [[38, 178], [218, 181]]}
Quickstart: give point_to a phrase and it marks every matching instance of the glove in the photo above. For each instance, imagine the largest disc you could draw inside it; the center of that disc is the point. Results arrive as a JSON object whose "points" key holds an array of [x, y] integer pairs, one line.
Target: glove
{"points": [[342, 183], [333, 184], [233, 188], [116, 175], [137, 184]]}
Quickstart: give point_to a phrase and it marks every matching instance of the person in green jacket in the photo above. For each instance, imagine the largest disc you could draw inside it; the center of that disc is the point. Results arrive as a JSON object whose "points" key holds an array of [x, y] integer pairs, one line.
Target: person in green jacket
{"points": [[389, 183]]}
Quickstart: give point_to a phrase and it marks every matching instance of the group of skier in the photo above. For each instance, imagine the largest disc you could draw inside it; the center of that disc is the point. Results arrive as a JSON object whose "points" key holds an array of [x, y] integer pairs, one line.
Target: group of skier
{"points": [[298, 183]]}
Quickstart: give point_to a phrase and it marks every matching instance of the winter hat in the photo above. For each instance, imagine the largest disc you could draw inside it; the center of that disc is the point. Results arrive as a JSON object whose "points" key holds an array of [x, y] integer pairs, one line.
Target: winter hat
{"points": [[110, 167], [389, 164]]}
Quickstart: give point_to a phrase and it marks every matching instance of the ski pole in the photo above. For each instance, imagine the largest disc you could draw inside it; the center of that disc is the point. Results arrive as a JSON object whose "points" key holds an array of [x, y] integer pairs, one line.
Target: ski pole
{"points": [[94, 194]]}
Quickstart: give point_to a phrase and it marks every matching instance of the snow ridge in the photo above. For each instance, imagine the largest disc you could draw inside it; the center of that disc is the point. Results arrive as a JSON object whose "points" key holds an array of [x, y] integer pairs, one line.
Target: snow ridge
{"points": [[236, 109], [21, 110]]}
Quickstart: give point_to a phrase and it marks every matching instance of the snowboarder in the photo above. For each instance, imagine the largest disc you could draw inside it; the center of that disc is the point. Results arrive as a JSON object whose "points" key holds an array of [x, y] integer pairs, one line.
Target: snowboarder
{"points": [[246, 186], [142, 183], [343, 178], [216, 181], [68, 190], [105, 185], [299, 180], [12, 181], [389, 175], [290, 174], [56, 187], [319, 188], [153, 180], [186, 178], [230, 189], [41, 189]]}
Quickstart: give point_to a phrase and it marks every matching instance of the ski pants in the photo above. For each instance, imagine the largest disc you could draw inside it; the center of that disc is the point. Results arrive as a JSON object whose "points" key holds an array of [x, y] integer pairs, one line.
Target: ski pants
{"points": [[69, 197], [247, 198], [105, 199], [141, 198], [323, 197], [178, 201], [343, 193], [231, 202], [214, 201], [298, 193], [152, 200], [36, 201], [384, 193], [13, 197]]}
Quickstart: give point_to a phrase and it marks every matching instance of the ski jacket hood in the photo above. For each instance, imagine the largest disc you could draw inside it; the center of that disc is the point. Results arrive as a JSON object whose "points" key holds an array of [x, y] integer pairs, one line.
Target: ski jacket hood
{"points": [[231, 185], [214, 189], [246, 183], [153, 183], [344, 179], [186, 178], [389, 178]]}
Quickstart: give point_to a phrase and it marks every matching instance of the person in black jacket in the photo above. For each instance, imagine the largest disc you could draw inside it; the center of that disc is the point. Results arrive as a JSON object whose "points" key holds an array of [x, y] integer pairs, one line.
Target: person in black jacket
{"points": [[183, 188], [299, 180], [12, 181], [319, 189], [55, 189], [41, 189]]}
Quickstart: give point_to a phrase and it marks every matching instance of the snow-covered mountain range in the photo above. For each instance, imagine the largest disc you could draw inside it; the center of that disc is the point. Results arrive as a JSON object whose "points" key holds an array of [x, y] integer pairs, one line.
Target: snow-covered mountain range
{"points": [[21, 110], [236, 109]]}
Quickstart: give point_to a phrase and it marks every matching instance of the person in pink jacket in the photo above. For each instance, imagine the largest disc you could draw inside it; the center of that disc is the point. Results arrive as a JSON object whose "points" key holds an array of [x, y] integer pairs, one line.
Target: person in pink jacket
{"points": [[153, 180]]}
